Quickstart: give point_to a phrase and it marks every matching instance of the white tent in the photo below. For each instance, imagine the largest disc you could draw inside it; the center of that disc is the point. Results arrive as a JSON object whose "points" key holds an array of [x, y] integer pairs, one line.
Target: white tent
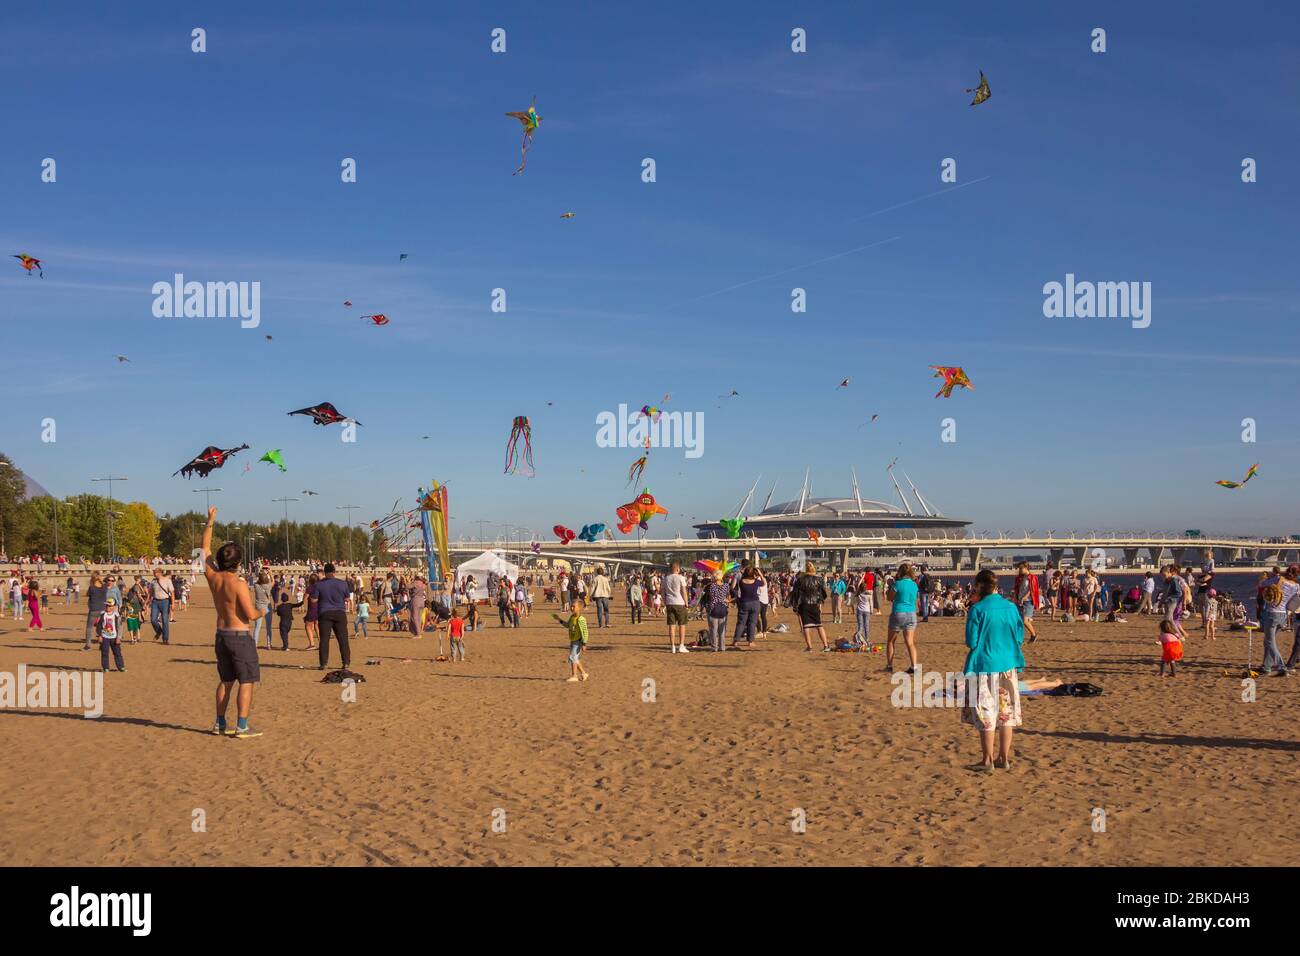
{"points": [[493, 561]]}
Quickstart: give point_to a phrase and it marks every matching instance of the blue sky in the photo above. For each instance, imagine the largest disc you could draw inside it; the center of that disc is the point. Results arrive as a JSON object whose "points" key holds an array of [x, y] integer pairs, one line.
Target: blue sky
{"points": [[770, 167]]}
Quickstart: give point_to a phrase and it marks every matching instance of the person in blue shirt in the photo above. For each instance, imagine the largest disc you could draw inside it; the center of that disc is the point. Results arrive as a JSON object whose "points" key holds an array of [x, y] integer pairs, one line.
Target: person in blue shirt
{"points": [[902, 618], [331, 596], [994, 634]]}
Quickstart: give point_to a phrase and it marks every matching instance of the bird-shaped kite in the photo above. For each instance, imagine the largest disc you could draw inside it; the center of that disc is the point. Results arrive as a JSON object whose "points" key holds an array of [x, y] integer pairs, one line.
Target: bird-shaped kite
{"points": [[377, 319], [638, 511], [732, 394], [953, 376], [309, 493], [843, 384], [981, 92], [726, 567], [531, 121], [122, 358], [1254, 470], [273, 457], [564, 534], [29, 264], [731, 526], [324, 414], [521, 427], [567, 215], [873, 418], [206, 461], [348, 303], [590, 532]]}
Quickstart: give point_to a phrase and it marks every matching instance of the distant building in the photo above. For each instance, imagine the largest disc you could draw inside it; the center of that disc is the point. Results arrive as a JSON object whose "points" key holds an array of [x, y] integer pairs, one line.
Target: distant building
{"points": [[844, 517]]}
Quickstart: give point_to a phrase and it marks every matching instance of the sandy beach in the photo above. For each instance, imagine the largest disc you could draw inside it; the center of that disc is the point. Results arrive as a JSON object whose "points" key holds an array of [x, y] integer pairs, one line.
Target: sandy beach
{"points": [[710, 772]]}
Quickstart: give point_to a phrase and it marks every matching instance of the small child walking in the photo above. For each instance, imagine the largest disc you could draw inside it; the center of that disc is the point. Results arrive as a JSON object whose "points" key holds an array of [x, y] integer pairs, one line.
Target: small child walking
{"points": [[110, 637], [363, 615], [1171, 648], [862, 608], [133, 622], [577, 625], [284, 611], [456, 633]]}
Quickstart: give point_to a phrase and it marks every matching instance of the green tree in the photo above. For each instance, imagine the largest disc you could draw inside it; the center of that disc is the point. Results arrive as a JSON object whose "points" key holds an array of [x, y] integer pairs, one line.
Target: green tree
{"points": [[135, 533]]}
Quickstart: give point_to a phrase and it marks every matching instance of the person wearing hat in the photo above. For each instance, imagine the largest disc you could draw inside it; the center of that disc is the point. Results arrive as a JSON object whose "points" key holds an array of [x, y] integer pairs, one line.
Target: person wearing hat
{"points": [[108, 632]]}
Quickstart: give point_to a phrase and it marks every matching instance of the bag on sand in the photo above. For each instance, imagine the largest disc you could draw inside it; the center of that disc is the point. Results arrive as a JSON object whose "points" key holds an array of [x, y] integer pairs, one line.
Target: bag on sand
{"points": [[1078, 689], [342, 676]]}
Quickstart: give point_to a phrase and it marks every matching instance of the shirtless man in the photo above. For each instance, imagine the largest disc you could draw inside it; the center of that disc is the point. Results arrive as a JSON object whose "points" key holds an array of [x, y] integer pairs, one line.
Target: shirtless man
{"points": [[236, 652]]}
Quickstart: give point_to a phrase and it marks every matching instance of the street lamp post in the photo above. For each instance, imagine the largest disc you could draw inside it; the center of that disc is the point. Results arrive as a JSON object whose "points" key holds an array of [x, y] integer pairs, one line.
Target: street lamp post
{"points": [[349, 509], [207, 493], [286, 525], [110, 479]]}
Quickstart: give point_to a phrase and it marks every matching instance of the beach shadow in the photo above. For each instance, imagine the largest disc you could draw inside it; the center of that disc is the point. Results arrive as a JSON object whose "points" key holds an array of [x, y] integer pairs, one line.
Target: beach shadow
{"points": [[261, 664], [62, 667], [1178, 740], [548, 680], [136, 721]]}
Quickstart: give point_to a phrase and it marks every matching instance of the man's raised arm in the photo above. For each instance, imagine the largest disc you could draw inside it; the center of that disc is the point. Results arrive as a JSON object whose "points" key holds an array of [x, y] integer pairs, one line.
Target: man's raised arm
{"points": [[208, 566]]}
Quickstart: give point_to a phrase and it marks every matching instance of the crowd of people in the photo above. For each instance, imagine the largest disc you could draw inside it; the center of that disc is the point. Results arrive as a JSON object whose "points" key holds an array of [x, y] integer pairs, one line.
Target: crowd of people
{"points": [[738, 606]]}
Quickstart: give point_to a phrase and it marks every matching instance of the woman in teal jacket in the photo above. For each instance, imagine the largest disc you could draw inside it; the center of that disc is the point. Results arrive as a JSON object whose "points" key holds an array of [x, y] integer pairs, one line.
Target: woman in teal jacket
{"points": [[994, 633]]}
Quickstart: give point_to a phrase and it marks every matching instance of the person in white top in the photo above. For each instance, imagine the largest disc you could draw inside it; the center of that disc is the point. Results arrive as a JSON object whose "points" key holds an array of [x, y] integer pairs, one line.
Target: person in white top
{"points": [[675, 591]]}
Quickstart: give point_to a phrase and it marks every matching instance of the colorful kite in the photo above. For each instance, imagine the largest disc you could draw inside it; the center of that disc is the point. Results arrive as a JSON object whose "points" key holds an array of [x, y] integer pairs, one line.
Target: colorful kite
{"points": [[638, 511], [537, 548], [564, 534], [726, 567], [814, 536], [377, 319], [590, 532], [953, 376], [1254, 470], [638, 468], [206, 461], [324, 414], [731, 526], [981, 92], [273, 457], [29, 264], [530, 121], [521, 427]]}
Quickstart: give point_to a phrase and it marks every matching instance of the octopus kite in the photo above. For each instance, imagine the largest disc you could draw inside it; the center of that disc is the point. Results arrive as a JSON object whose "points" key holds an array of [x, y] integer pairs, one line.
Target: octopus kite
{"points": [[521, 427], [324, 414], [273, 457], [1254, 470], [29, 264], [731, 526], [638, 511], [638, 468], [953, 376], [564, 534], [981, 92], [206, 461], [531, 121]]}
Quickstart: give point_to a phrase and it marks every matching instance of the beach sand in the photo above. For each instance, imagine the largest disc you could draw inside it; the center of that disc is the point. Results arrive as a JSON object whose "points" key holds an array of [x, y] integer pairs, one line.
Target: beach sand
{"points": [[713, 771]]}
